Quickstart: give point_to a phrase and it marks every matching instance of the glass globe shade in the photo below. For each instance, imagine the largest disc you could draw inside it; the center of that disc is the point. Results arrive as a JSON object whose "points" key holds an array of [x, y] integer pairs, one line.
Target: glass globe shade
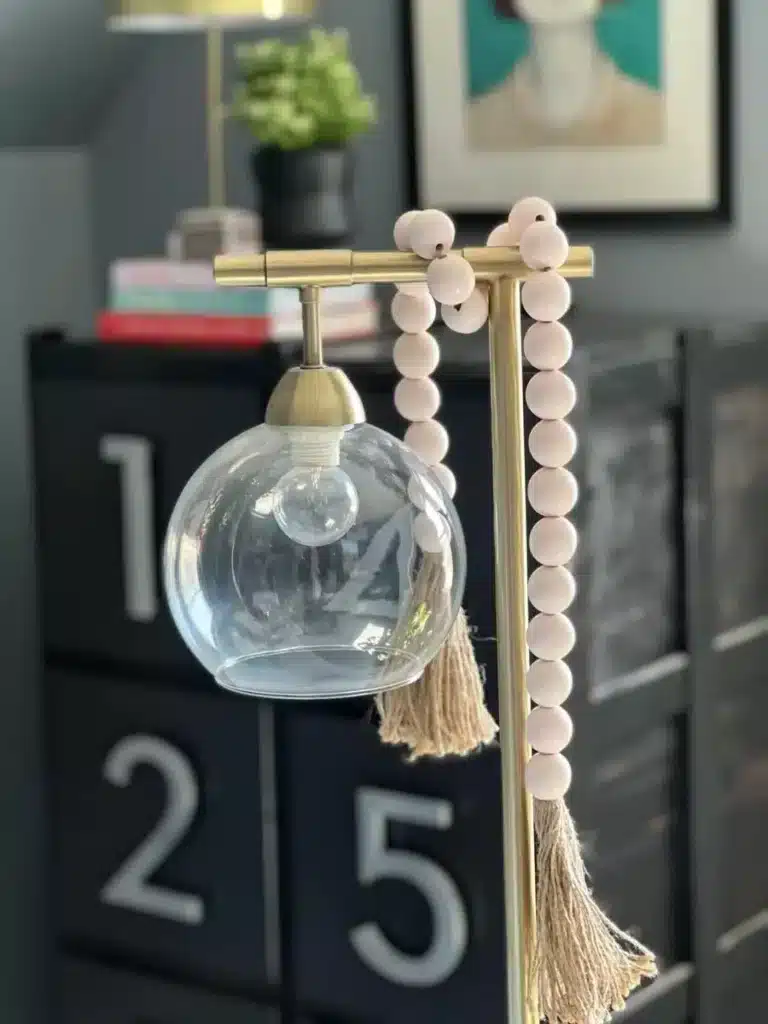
{"points": [[314, 563]]}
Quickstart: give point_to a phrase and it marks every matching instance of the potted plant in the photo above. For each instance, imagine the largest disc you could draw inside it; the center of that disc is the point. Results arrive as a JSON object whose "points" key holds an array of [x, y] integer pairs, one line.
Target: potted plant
{"points": [[304, 104]]}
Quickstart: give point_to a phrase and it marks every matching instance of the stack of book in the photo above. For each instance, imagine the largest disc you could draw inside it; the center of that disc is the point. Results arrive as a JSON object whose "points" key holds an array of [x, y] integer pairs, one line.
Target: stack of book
{"points": [[163, 300]]}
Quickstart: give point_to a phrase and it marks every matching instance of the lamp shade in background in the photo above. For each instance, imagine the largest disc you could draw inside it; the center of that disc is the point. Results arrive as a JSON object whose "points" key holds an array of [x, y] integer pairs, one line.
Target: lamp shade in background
{"points": [[193, 15]]}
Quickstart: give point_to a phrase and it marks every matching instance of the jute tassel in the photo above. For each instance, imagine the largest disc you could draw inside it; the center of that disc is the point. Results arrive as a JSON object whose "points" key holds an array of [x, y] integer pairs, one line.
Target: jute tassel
{"points": [[444, 713], [584, 967]]}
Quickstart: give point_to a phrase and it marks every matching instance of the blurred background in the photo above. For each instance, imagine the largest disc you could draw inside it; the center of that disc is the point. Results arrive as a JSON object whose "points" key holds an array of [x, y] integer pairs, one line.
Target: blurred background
{"points": [[172, 855]]}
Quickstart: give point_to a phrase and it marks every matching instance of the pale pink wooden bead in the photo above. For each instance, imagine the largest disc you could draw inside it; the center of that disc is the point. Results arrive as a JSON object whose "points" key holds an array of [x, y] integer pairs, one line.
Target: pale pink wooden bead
{"points": [[548, 776], [552, 443], [548, 346], [549, 683], [402, 230], [546, 296], [413, 313], [430, 233], [431, 532], [526, 212], [550, 395], [451, 279], [429, 440], [550, 637], [501, 236], [551, 589], [543, 246], [553, 541], [446, 479], [549, 730], [470, 315], [552, 492], [417, 399], [413, 287], [423, 494], [416, 355]]}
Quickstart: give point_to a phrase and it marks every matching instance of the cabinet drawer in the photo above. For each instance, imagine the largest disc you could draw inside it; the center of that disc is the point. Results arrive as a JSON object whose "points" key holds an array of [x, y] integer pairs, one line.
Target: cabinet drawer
{"points": [[158, 828], [396, 906], [90, 994], [111, 460]]}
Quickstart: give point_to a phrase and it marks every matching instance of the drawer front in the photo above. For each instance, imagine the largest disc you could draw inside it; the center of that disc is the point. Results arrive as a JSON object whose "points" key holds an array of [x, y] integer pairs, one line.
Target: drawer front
{"points": [[158, 801], [90, 994], [111, 461], [395, 877]]}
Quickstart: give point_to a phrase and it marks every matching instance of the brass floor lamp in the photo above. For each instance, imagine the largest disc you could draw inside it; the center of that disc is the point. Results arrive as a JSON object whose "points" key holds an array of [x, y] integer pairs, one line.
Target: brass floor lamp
{"points": [[213, 17], [503, 271]]}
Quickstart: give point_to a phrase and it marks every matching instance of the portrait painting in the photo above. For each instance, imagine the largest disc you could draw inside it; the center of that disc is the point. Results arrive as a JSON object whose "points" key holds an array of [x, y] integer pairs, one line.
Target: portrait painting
{"points": [[606, 106]]}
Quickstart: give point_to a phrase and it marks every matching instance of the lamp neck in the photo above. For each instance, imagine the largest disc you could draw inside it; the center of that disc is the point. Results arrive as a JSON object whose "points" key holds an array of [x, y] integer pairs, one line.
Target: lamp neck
{"points": [[310, 315]]}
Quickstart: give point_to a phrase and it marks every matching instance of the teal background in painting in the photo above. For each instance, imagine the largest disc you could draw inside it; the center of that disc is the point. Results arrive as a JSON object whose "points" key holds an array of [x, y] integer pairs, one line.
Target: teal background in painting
{"points": [[629, 31]]}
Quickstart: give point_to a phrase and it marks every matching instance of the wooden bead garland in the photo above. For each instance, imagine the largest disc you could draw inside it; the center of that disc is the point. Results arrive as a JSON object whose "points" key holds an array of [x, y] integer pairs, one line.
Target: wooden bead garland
{"points": [[552, 492], [583, 966], [550, 396], [464, 308], [444, 713]]}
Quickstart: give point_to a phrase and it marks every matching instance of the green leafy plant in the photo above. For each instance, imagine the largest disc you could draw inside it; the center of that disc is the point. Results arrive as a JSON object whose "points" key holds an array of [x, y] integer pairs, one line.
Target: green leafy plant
{"points": [[296, 95]]}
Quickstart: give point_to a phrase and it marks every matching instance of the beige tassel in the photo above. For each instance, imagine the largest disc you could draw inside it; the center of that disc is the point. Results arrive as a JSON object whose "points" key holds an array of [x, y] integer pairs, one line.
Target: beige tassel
{"points": [[444, 713], [584, 967]]}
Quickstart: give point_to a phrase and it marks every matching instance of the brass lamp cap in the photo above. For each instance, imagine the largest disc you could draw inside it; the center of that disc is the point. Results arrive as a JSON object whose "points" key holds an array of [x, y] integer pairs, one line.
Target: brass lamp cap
{"points": [[315, 396], [180, 15]]}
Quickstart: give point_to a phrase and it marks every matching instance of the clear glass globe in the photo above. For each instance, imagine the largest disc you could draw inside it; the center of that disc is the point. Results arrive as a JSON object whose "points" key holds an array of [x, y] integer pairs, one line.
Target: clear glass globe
{"points": [[314, 563]]}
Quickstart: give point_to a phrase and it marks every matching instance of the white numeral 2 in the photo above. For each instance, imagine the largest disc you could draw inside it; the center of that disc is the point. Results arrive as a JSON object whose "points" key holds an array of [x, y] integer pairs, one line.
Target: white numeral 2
{"points": [[129, 887], [376, 860], [133, 456]]}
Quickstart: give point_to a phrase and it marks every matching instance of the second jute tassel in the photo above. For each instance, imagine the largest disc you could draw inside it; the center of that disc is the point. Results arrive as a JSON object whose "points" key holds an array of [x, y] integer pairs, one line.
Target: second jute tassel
{"points": [[584, 967]]}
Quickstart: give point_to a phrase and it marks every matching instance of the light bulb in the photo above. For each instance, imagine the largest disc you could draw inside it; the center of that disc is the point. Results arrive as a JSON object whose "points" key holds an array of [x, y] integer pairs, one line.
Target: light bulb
{"points": [[315, 506]]}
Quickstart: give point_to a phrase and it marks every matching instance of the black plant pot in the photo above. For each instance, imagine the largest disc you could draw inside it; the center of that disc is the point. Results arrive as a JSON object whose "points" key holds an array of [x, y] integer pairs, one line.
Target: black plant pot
{"points": [[305, 196]]}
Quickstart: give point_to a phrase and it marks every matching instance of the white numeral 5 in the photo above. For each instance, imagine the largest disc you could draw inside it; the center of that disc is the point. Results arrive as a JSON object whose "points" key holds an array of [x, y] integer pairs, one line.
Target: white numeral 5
{"points": [[376, 861]]}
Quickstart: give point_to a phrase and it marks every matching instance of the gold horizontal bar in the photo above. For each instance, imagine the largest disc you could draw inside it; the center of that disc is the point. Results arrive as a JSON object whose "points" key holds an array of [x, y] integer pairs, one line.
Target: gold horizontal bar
{"points": [[341, 267]]}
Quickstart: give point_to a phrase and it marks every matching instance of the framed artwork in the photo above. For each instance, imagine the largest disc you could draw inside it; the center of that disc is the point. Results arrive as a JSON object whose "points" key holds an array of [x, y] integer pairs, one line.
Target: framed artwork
{"points": [[614, 110]]}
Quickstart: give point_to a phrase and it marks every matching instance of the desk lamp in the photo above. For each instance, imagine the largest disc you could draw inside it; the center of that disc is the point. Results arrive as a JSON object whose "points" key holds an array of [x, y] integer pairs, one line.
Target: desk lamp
{"points": [[316, 556], [212, 17]]}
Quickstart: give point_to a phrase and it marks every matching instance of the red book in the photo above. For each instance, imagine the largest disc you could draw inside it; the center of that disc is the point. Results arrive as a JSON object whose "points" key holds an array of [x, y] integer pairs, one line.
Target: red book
{"points": [[190, 329]]}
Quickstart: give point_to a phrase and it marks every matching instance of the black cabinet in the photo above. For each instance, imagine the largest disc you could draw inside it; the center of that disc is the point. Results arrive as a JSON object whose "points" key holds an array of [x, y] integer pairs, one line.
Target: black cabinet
{"points": [[219, 858]]}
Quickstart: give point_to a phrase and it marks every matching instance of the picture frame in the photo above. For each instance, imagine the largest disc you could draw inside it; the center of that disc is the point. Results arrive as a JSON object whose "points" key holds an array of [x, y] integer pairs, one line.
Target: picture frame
{"points": [[654, 148]]}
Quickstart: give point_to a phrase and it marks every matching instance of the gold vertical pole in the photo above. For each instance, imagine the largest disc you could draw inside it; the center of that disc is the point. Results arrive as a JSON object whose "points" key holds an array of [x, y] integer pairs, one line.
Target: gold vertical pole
{"points": [[215, 119], [509, 498]]}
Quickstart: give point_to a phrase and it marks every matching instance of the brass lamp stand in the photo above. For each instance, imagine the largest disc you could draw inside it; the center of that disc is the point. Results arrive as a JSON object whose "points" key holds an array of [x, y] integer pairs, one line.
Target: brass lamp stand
{"points": [[212, 17], [502, 270]]}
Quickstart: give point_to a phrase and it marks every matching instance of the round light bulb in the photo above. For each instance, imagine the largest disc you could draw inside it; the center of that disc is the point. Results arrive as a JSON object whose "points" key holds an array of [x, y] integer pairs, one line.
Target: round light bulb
{"points": [[315, 506]]}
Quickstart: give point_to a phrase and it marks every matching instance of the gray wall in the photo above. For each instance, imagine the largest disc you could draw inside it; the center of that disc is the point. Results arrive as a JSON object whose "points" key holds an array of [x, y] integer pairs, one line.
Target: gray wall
{"points": [[46, 260], [58, 70], [154, 140]]}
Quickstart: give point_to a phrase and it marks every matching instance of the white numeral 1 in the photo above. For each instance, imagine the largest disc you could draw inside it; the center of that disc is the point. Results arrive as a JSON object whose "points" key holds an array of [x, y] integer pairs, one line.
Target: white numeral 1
{"points": [[133, 457], [377, 860]]}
